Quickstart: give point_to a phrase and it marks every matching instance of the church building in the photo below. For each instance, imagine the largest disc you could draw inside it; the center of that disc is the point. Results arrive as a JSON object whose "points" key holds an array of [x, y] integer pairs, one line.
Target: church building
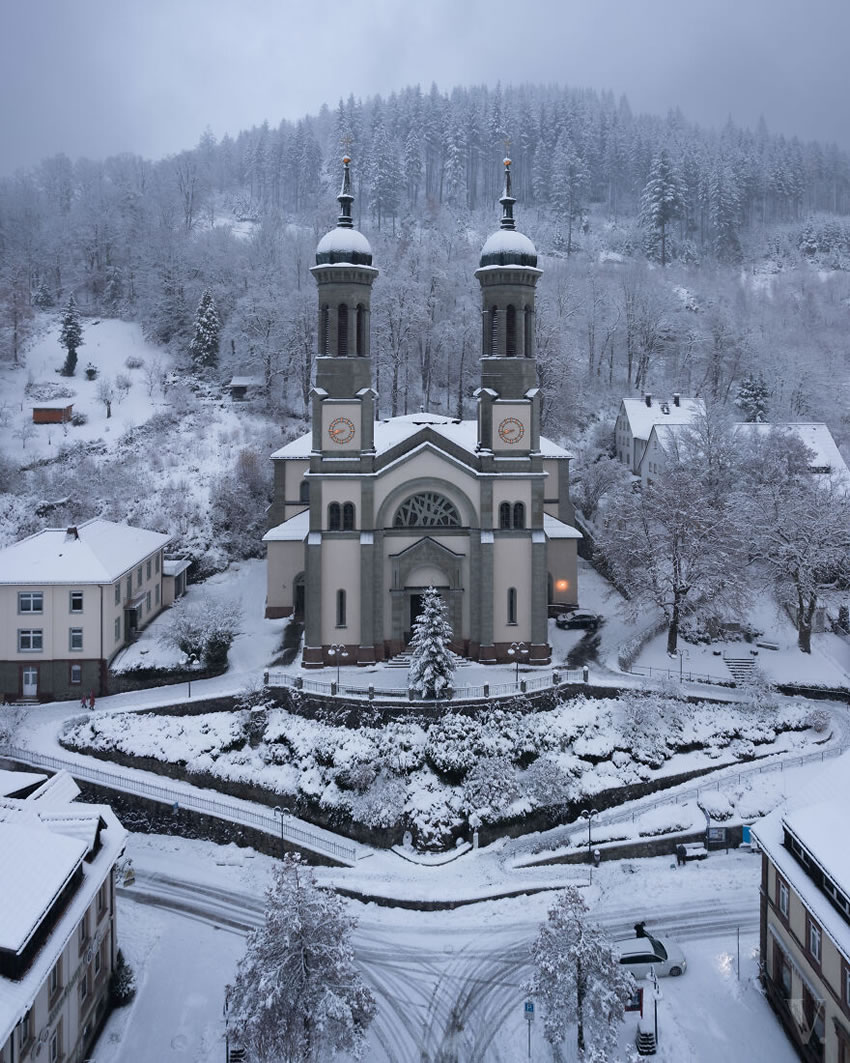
{"points": [[368, 514]]}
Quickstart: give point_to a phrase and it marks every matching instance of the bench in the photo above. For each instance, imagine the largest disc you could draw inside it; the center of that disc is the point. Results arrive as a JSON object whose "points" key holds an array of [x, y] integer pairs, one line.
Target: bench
{"points": [[695, 851]]}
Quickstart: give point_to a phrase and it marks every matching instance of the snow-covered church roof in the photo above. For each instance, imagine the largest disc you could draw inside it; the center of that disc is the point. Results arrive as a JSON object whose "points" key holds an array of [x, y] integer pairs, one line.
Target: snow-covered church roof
{"points": [[391, 432], [343, 245]]}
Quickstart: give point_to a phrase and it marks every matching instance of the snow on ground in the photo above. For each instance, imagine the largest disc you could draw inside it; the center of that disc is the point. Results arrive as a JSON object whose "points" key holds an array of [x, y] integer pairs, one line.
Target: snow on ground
{"points": [[108, 343]]}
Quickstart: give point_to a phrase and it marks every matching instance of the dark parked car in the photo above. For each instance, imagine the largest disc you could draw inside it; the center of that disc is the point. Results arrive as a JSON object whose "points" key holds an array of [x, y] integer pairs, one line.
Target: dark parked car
{"points": [[579, 618]]}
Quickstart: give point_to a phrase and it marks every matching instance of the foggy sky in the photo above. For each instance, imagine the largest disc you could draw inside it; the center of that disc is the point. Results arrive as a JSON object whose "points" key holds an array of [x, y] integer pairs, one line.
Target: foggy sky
{"points": [[98, 77]]}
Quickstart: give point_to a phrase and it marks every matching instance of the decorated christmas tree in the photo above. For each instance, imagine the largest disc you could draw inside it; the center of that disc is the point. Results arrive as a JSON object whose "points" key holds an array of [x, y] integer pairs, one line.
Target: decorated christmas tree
{"points": [[431, 665]]}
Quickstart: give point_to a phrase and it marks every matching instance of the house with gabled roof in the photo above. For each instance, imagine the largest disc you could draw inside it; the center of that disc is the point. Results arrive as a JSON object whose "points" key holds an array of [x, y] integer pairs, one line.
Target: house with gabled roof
{"points": [[70, 599], [637, 417]]}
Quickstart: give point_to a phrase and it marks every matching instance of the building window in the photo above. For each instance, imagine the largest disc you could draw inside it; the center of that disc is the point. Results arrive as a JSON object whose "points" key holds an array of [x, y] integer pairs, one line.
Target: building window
{"points": [[97, 963], [493, 338], [342, 330], [56, 1045], [323, 331], [348, 516], [529, 331], [156, 594], [75, 638], [102, 896], [360, 331], [148, 602], [84, 985], [149, 567], [83, 933], [846, 984], [426, 510], [814, 939], [27, 1028], [31, 601], [519, 515], [782, 897], [118, 593], [156, 559], [510, 332], [340, 608], [505, 515], [76, 601], [334, 516], [54, 983], [304, 491], [117, 628], [76, 674], [781, 970], [129, 587], [512, 605], [813, 1011], [30, 640], [139, 576]]}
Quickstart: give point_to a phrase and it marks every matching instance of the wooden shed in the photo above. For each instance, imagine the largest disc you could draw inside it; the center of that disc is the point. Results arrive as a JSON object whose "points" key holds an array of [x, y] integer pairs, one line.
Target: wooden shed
{"points": [[52, 413]]}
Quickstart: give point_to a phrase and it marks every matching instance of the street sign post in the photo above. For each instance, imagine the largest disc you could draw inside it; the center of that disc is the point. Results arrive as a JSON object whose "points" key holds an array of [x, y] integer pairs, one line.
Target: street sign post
{"points": [[529, 1018]]}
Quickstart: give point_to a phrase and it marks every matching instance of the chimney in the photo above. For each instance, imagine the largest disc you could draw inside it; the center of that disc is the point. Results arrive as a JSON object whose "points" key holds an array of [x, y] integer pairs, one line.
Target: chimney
{"points": [[676, 398], [72, 533], [647, 399]]}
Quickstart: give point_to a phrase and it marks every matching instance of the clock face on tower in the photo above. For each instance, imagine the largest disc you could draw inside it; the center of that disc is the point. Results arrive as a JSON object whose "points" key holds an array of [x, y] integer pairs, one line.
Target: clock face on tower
{"points": [[341, 430], [511, 430]]}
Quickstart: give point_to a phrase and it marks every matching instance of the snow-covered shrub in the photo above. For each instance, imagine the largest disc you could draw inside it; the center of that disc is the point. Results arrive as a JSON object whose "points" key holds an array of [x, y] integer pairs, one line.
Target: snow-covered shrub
{"points": [[490, 788], [202, 628], [643, 728], [819, 720], [122, 984], [133, 361], [401, 747], [450, 745], [548, 784], [381, 805], [716, 805]]}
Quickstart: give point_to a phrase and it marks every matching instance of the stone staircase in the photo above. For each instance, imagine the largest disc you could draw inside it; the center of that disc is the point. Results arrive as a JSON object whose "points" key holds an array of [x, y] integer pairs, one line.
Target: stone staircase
{"points": [[742, 668], [402, 660]]}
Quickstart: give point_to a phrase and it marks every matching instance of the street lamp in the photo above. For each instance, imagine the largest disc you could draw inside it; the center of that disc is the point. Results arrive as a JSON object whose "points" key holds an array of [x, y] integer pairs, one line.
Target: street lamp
{"points": [[284, 814], [682, 655], [191, 661], [339, 651], [588, 814], [517, 649]]}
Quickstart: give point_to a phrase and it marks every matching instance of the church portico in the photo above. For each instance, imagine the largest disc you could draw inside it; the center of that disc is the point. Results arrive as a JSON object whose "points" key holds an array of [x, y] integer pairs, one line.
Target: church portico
{"points": [[368, 514]]}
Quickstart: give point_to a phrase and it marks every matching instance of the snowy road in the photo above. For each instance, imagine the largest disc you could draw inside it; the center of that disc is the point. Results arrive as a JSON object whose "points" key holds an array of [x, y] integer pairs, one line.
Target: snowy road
{"points": [[448, 984]]}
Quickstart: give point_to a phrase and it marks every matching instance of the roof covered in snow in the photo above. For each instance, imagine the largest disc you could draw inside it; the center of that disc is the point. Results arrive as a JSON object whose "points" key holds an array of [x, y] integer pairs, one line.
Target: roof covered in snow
{"points": [[293, 530], [50, 842], [173, 566], [641, 417], [98, 551], [557, 529], [344, 245], [12, 782], [394, 430], [826, 457], [507, 247]]}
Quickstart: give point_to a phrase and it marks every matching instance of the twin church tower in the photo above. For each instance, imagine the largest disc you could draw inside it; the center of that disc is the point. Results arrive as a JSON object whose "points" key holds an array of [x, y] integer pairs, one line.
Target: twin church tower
{"points": [[368, 514]]}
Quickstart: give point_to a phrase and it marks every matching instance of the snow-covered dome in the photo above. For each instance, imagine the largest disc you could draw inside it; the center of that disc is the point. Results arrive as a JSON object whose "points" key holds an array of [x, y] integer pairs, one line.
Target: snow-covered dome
{"points": [[344, 245], [507, 247]]}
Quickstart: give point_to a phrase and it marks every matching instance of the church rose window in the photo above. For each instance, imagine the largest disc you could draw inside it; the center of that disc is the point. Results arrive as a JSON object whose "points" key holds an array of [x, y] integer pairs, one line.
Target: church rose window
{"points": [[427, 510]]}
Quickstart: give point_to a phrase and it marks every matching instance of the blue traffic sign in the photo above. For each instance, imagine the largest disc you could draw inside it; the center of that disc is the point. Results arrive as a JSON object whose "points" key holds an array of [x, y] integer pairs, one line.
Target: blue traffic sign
{"points": [[529, 1007]]}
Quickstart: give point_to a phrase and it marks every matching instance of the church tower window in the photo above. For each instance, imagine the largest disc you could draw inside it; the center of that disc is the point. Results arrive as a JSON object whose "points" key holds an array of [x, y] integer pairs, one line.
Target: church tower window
{"points": [[360, 332], [342, 331], [427, 510], [505, 515], [510, 332], [519, 515], [529, 331], [348, 516], [493, 337], [324, 330], [334, 517], [304, 491]]}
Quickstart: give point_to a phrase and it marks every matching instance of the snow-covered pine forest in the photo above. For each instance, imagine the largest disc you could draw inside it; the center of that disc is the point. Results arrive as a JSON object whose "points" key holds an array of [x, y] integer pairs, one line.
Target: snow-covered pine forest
{"points": [[208, 252]]}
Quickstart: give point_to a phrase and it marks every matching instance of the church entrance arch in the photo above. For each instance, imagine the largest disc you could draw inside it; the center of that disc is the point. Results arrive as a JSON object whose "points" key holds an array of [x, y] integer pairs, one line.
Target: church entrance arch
{"points": [[425, 564]]}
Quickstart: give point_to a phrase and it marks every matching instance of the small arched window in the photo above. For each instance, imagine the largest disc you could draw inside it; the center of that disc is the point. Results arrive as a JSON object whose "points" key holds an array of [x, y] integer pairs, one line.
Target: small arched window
{"points": [[304, 491], [334, 517], [505, 515], [342, 331], [340, 608], [493, 338], [360, 331], [511, 605], [348, 516], [529, 332], [519, 515], [323, 331], [510, 332]]}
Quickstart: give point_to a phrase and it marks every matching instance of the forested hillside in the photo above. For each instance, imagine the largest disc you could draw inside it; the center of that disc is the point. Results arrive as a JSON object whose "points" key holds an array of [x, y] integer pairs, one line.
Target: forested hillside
{"points": [[675, 258]]}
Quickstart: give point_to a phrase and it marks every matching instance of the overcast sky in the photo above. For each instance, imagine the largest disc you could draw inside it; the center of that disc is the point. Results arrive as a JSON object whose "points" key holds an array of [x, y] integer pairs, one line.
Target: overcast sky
{"points": [[97, 77]]}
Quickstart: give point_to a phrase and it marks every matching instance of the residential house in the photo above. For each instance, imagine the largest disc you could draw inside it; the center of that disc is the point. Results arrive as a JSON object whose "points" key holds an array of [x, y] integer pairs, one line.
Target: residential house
{"points": [[637, 417], [805, 917], [70, 599], [58, 942]]}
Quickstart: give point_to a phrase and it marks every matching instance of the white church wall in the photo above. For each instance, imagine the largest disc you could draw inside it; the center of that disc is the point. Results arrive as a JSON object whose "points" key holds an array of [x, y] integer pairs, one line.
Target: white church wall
{"points": [[284, 561], [511, 568], [341, 571]]}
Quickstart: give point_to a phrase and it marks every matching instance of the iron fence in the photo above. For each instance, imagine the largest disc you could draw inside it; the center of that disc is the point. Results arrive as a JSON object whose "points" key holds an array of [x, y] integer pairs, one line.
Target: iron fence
{"points": [[462, 693], [235, 813]]}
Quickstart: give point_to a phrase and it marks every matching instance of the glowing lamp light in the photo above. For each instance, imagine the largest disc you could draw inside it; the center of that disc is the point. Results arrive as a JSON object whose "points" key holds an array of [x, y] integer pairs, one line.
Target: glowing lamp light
{"points": [[562, 584]]}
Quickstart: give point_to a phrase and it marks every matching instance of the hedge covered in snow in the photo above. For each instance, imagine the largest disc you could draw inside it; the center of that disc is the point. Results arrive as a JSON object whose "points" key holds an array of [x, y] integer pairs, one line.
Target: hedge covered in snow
{"points": [[433, 776]]}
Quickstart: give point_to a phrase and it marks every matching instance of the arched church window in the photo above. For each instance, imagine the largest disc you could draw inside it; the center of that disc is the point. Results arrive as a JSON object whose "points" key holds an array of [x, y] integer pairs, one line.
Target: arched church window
{"points": [[342, 330], [360, 331], [529, 332], [334, 517], [340, 608], [505, 515], [304, 491], [511, 605], [493, 338], [323, 331], [519, 515], [427, 510], [510, 332], [348, 516]]}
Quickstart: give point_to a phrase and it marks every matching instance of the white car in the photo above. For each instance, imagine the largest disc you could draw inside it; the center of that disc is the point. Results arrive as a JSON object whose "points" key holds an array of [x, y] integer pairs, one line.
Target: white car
{"points": [[639, 955]]}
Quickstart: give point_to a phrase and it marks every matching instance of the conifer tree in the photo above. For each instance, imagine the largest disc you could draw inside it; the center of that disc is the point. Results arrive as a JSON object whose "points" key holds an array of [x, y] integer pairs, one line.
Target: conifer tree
{"points": [[71, 335], [663, 200], [207, 330], [431, 664], [752, 398]]}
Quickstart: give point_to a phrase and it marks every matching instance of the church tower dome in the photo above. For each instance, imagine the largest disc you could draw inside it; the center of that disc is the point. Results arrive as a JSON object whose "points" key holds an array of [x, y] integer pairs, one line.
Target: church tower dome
{"points": [[507, 247], [344, 243]]}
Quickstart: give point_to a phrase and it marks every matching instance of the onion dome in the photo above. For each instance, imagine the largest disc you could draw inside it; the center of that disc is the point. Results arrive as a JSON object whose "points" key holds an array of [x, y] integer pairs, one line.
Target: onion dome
{"points": [[344, 243], [507, 247]]}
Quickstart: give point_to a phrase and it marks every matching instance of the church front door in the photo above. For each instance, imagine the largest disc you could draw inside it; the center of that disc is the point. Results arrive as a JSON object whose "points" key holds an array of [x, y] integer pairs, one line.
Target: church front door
{"points": [[415, 610]]}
